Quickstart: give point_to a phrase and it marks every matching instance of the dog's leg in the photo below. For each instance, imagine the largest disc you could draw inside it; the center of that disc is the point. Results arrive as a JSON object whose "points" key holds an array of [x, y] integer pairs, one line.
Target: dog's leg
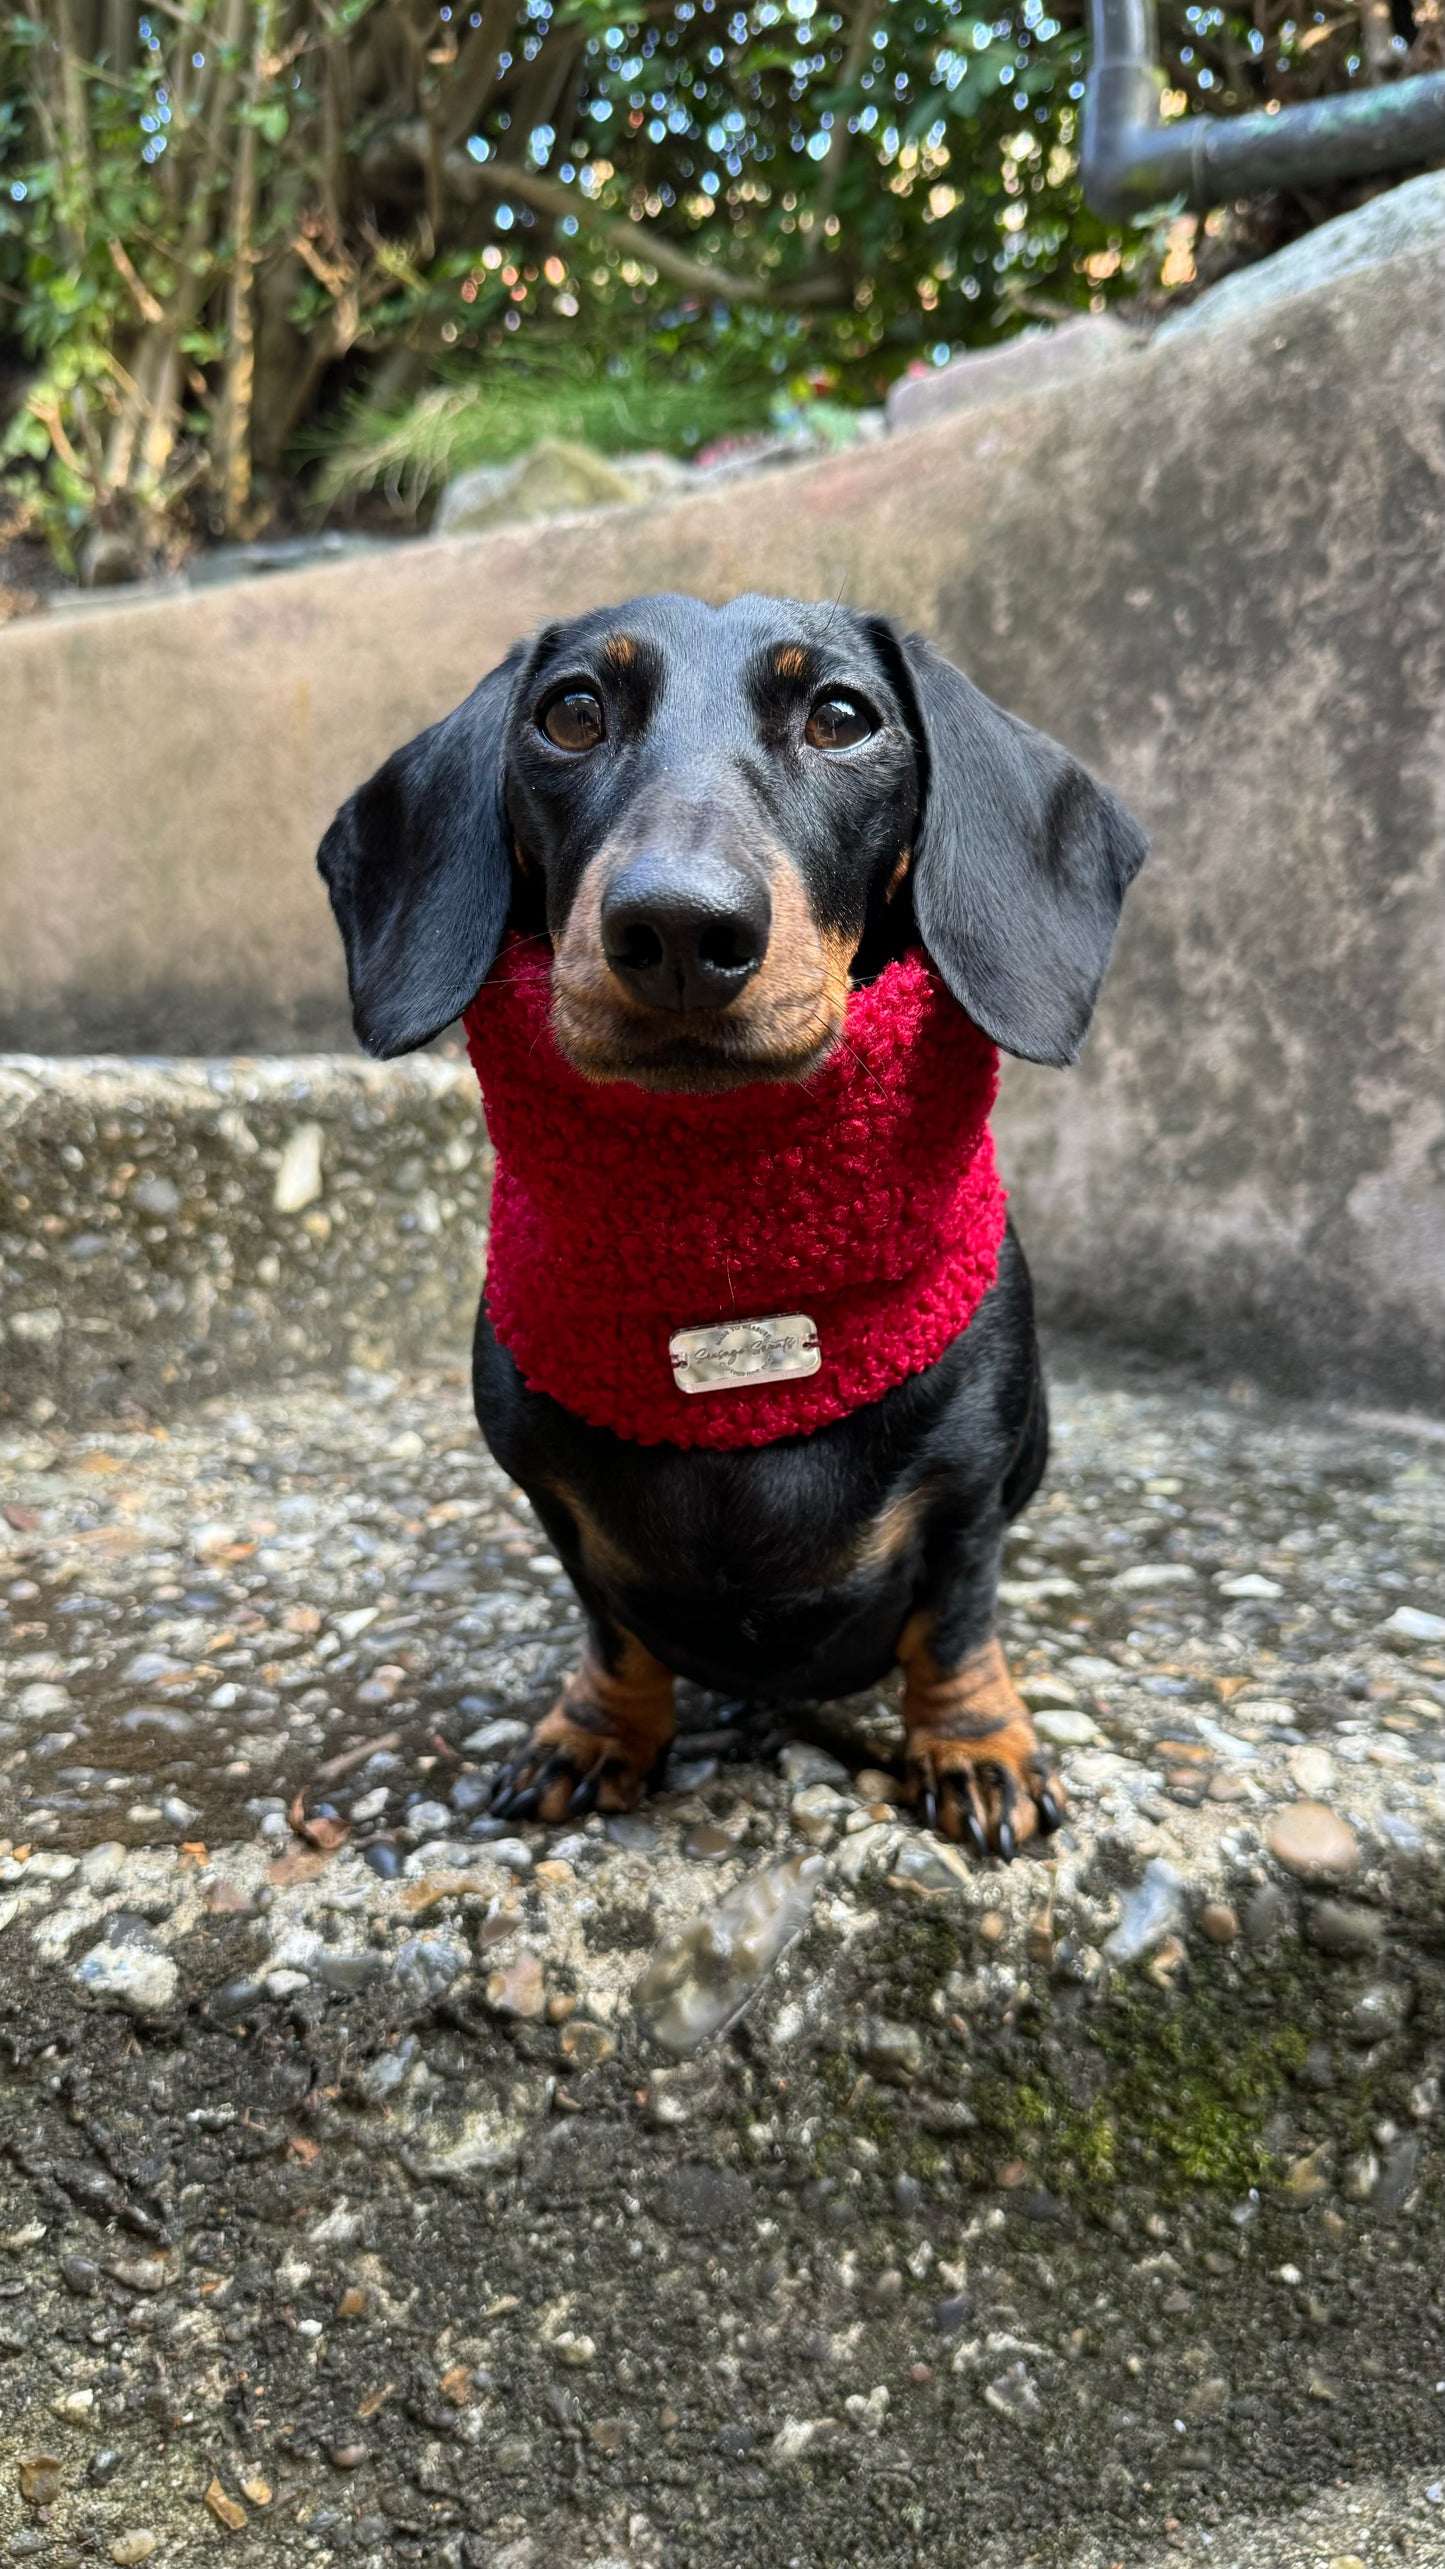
{"points": [[604, 1739], [973, 1765]]}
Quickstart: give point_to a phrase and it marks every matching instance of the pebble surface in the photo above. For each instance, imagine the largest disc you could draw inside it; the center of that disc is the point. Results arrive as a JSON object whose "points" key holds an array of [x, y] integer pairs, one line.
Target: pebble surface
{"points": [[288, 2012]]}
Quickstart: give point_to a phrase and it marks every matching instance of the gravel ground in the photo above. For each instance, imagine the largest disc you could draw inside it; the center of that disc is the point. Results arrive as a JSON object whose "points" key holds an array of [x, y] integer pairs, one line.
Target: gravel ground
{"points": [[751, 2178]]}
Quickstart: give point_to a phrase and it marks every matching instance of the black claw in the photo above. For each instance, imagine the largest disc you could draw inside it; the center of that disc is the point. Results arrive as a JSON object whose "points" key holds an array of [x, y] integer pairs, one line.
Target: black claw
{"points": [[1004, 1783], [973, 1829], [523, 1806], [928, 1807], [1050, 1815], [584, 1797]]}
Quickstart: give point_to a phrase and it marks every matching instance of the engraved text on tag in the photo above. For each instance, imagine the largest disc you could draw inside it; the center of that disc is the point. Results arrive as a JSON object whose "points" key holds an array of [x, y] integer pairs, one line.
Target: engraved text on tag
{"points": [[735, 1353]]}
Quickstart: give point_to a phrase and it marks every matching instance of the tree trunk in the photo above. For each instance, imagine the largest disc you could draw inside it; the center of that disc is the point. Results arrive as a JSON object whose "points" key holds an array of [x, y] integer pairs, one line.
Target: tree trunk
{"points": [[1377, 34], [143, 433], [74, 125], [854, 64], [233, 456]]}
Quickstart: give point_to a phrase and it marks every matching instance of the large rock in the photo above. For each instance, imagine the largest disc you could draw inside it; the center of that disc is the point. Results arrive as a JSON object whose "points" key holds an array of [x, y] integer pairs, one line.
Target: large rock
{"points": [[552, 479]]}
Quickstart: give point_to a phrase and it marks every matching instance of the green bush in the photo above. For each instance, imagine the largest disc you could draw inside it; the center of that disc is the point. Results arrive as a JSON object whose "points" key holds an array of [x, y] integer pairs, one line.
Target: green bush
{"points": [[260, 254]]}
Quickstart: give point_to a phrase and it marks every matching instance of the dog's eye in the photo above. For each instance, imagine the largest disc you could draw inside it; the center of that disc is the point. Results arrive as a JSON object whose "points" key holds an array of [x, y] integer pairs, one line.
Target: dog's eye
{"points": [[574, 720], [837, 722]]}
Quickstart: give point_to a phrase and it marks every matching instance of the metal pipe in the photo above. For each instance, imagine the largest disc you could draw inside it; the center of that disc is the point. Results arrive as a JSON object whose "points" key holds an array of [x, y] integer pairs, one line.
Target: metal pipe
{"points": [[1131, 159]]}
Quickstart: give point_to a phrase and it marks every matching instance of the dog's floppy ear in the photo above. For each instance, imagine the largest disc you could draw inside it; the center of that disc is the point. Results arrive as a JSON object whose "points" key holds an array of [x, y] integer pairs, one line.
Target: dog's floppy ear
{"points": [[418, 866], [1020, 863]]}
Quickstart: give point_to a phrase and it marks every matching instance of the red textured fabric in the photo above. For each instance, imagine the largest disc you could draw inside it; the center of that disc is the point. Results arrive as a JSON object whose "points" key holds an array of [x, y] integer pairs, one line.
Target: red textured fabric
{"points": [[866, 1197]]}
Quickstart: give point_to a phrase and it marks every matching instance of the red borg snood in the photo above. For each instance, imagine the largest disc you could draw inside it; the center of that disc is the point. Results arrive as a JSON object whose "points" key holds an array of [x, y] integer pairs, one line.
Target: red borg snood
{"points": [[864, 1198]]}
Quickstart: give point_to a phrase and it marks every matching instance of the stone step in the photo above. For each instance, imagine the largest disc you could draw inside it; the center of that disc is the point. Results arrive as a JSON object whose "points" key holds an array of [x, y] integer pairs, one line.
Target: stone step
{"points": [[173, 1228]]}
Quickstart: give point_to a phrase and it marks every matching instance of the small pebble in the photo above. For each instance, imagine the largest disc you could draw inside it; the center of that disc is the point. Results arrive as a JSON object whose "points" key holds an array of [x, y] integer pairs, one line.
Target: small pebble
{"points": [[800, 1764], [624, 1828], [517, 1856], [1313, 1842], [708, 1844], [137, 1977], [1342, 1927], [1218, 1922], [1383, 2009], [892, 2051], [1147, 1914], [1416, 1624], [428, 1819], [128, 2548], [584, 2045], [494, 1737], [931, 1863], [950, 2316], [1066, 1729], [518, 1990], [1313, 1771], [226, 2509], [689, 1774], [41, 2478], [1266, 1913], [1227, 1788], [1360, 2176], [872, 1785]]}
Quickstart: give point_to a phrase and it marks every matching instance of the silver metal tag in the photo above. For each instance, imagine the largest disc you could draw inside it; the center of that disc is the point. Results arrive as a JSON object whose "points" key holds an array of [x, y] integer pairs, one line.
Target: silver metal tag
{"points": [[733, 1353]]}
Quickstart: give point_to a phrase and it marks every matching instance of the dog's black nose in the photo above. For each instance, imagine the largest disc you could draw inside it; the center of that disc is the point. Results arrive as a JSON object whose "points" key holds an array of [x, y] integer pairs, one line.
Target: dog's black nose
{"points": [[685, 933]]}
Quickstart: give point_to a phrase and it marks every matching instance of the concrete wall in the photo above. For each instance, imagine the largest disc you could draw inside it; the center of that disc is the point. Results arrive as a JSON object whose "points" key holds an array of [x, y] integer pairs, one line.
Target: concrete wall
{"points": [[1214, 568]]}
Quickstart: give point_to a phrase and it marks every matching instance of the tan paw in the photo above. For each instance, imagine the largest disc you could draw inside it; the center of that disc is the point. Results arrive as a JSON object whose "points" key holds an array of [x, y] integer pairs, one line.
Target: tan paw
{"points": [[993, 1794], [973, 1765], [600, 1745]]}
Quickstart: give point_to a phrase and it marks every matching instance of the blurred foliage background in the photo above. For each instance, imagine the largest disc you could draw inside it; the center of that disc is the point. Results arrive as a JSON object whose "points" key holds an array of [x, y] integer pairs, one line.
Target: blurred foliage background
{"points": [[261, 260]]}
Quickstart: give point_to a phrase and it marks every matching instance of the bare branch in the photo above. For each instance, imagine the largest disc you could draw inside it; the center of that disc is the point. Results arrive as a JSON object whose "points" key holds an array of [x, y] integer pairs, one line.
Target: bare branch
{"points": [[150, 310]]}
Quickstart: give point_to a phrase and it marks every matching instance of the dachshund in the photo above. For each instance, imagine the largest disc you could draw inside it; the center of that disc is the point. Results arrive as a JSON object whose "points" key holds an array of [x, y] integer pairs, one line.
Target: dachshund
{"points": [[716, 832]]}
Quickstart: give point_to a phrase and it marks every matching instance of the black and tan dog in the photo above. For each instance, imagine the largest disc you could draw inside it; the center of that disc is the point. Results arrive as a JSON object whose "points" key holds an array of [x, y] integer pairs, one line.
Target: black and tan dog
{"points": [[723, 819]]}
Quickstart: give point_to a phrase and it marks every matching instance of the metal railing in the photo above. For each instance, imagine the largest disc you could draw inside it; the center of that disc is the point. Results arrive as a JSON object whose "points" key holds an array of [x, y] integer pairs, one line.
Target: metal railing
{"points": [[1131, 159]]}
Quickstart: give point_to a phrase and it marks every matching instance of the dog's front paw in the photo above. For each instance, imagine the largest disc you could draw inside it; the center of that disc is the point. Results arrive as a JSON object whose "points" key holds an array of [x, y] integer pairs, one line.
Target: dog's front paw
{"points": [[973, 1765], [601, 1745], [993, 1794]]}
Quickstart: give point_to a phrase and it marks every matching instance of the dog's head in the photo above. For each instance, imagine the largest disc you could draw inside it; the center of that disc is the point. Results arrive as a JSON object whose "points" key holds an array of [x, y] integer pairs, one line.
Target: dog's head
{"points": [[721, 817]]}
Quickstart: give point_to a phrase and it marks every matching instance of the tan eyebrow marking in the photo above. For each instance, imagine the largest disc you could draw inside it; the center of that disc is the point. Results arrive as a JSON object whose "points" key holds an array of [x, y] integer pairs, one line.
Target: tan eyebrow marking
{"points": [[791, 661], [621, 650]]}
